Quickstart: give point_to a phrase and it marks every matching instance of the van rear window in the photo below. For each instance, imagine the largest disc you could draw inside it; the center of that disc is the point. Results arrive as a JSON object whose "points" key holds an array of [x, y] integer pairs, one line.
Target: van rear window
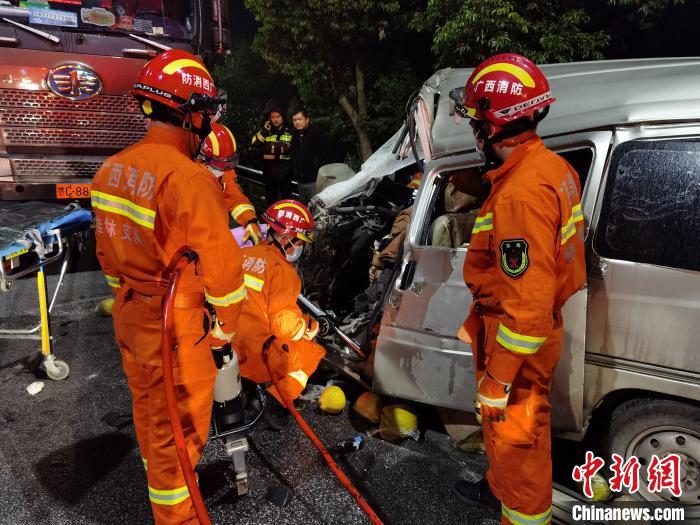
{"points": [[651, 208]]}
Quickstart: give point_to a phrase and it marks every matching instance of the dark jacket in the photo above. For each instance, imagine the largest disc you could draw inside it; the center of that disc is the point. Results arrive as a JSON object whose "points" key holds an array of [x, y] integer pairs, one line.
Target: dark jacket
{"points": [[310, 152], [274, 146]]}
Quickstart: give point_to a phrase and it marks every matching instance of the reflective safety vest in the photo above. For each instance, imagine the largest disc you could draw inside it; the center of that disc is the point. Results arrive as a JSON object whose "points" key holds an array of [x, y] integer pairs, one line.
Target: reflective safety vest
{"points": [[275, 143]]}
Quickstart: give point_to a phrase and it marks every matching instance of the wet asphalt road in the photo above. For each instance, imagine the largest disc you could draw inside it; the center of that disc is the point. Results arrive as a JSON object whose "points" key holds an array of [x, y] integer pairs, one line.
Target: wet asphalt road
{"points": [[61, 463]]}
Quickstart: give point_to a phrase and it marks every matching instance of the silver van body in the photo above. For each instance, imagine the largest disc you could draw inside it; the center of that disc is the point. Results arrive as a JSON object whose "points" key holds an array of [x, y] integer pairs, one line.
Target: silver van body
{"points": [[634, 331]]}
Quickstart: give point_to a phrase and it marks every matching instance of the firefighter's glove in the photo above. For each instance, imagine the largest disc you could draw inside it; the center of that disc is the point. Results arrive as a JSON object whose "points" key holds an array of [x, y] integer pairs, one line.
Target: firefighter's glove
{"points": [[253, 233], [491, 399], [311, 329], [218, 337]]}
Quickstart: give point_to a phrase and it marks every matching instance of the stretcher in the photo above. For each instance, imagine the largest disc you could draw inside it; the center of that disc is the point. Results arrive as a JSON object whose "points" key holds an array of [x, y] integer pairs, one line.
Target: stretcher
{"points": [[32, 236]]}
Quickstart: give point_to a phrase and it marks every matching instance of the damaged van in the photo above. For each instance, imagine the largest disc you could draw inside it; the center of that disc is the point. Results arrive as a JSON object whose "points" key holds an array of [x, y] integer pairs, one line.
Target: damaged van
{"points": [[629, 376]]}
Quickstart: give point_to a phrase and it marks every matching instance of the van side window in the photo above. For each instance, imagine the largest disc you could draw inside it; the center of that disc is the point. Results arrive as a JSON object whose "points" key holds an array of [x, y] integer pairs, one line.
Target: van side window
{"points": [[580, 160], [455, 206], [651, 208]]}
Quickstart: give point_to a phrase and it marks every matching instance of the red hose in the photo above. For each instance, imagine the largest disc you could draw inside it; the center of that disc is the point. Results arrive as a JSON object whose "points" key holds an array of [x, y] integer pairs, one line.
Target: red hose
{"points": [[169, 382], [332, 465]]}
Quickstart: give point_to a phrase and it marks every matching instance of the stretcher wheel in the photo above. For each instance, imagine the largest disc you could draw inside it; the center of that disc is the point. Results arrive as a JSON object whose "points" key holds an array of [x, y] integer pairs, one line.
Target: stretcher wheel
{"points": [[60, 371]]}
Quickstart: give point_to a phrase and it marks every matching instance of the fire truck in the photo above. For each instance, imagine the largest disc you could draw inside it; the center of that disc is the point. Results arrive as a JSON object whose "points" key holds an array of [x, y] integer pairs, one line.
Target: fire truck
{"points": [[66, 68]]}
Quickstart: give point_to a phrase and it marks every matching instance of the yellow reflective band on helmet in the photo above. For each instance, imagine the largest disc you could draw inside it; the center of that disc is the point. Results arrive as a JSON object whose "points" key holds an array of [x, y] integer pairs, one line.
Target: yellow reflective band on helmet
{"points": [[214, 143], [471, 112], [113, 204], [253, 282], [301, 331], [112, 282], [241, 208], [176, 65], [168, 497], [518, 343], [233, 139], [300, 376], [518, 72], [483, 224], [295, 206], [227, 300], [147, 107], [518, 518]]}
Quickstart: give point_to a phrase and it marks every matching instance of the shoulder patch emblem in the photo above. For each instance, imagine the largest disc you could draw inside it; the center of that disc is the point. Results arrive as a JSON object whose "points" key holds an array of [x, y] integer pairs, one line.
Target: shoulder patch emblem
{"points": [[514, 257]]}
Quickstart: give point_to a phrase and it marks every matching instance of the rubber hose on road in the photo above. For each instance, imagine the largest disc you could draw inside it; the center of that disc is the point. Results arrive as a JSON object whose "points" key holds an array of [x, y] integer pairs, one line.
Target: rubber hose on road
{"points": [[332, 465]]}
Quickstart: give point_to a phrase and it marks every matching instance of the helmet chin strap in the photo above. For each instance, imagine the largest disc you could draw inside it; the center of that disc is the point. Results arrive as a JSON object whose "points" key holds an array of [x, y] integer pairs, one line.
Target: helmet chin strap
{"points": [[282, 249], [201, 132]]}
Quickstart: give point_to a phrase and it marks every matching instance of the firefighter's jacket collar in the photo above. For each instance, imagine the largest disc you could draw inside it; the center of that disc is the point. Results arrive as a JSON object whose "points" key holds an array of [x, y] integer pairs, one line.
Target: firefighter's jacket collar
{"points": [[515, 158]]}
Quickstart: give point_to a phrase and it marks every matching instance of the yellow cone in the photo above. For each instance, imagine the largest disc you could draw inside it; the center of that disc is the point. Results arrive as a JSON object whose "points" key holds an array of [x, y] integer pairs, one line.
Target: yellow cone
{"points": [[105, 307], [369, 406], [332, 400]]}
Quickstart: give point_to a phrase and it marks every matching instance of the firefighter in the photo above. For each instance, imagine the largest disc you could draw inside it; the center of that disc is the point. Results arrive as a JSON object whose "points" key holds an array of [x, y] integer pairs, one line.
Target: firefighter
{"points": [[274, 140], [271, 309], [150, 200], [220, 155], [525, 260]]}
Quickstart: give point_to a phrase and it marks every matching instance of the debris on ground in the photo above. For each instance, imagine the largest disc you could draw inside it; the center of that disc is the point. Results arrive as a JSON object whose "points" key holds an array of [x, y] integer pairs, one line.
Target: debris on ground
{"points": [[398, 422], [332, 400], [312, 392], [105, 307], [473, 444], [34, 388], [369, 405], [600, 487]]}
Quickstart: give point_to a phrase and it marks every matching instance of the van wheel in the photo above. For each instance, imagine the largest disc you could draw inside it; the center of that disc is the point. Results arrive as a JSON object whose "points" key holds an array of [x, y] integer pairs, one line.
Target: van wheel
{"points": [[648, 427]]}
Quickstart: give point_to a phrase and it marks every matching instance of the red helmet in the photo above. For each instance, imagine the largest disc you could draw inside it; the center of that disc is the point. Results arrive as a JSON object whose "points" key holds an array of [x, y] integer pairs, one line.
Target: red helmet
{"points": [[219, 148], [290, 217], [504, 88], [172, 78]]}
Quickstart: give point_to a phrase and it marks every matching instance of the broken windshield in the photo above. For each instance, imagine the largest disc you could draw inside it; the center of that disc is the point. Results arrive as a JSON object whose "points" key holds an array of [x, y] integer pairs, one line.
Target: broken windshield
{"points": [[168, 18]]}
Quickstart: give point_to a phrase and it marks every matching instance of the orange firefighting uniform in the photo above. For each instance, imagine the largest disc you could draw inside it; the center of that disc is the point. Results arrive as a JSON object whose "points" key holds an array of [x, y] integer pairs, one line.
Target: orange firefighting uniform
{"points": [[235, 200], [525, 259], [271, 309], [149, 201]]}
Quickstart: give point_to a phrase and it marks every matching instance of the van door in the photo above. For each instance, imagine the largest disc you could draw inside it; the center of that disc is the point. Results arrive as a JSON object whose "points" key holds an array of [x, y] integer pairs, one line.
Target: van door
{"points": [[645, 283], [418, 356]]}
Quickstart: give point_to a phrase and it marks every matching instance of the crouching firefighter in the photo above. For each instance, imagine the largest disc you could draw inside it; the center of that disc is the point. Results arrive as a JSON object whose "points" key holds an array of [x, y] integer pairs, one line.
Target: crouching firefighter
{"points": [[150, 200], [526, 258], [220, 155], [271, 310]]}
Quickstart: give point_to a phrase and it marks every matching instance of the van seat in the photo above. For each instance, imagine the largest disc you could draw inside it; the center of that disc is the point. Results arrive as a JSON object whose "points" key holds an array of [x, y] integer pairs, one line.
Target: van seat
{"points": [[451, 230]]}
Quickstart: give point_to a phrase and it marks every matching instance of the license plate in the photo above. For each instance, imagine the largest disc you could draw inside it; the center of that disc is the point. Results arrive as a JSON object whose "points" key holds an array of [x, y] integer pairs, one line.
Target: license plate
{"points": [[72, 191]]}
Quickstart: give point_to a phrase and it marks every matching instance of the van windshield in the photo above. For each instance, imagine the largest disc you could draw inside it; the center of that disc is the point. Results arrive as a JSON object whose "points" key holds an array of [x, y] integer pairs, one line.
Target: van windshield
{"points": [[168, 18]]}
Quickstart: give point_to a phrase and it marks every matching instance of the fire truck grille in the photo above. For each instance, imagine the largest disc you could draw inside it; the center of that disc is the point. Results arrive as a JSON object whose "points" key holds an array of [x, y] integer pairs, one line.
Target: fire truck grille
{"points": [[14, 117], [19, 98], [70, 138], [54, 170]]}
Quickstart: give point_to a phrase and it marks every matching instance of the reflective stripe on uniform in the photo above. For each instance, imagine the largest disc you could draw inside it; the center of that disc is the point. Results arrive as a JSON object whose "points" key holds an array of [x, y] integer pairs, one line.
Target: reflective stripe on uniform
{"points": [[145, 463], [518, 518], [253, 282], [518, 343], [483, 224], [501, 402], [112, 281], [229, 299], [168, 497], [241, 208], [259, 136], [300, 376], [121, 206], [569, 229]]}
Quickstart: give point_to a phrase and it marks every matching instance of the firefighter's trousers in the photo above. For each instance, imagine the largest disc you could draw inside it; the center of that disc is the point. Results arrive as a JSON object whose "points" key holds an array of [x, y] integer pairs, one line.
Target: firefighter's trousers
{"points": [[519, 449], [137, 327]]}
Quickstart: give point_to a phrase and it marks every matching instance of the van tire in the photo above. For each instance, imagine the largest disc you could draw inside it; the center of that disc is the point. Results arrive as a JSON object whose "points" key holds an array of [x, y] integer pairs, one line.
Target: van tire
{"points": [[630, 420]]}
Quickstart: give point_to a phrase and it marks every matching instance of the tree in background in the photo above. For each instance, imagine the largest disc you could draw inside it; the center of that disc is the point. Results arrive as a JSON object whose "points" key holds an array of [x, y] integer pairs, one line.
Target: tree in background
{"points": [[343, 58], [467, 31]]}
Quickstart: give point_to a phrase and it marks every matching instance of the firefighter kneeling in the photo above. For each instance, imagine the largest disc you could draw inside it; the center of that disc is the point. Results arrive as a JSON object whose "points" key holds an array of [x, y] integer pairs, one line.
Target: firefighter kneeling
{"points": [[271, 310]]}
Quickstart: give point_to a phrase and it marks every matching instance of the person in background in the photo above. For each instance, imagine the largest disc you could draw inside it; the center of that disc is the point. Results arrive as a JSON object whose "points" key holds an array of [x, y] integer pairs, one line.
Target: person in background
{"points": [[274, 141], [310, 148]]}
